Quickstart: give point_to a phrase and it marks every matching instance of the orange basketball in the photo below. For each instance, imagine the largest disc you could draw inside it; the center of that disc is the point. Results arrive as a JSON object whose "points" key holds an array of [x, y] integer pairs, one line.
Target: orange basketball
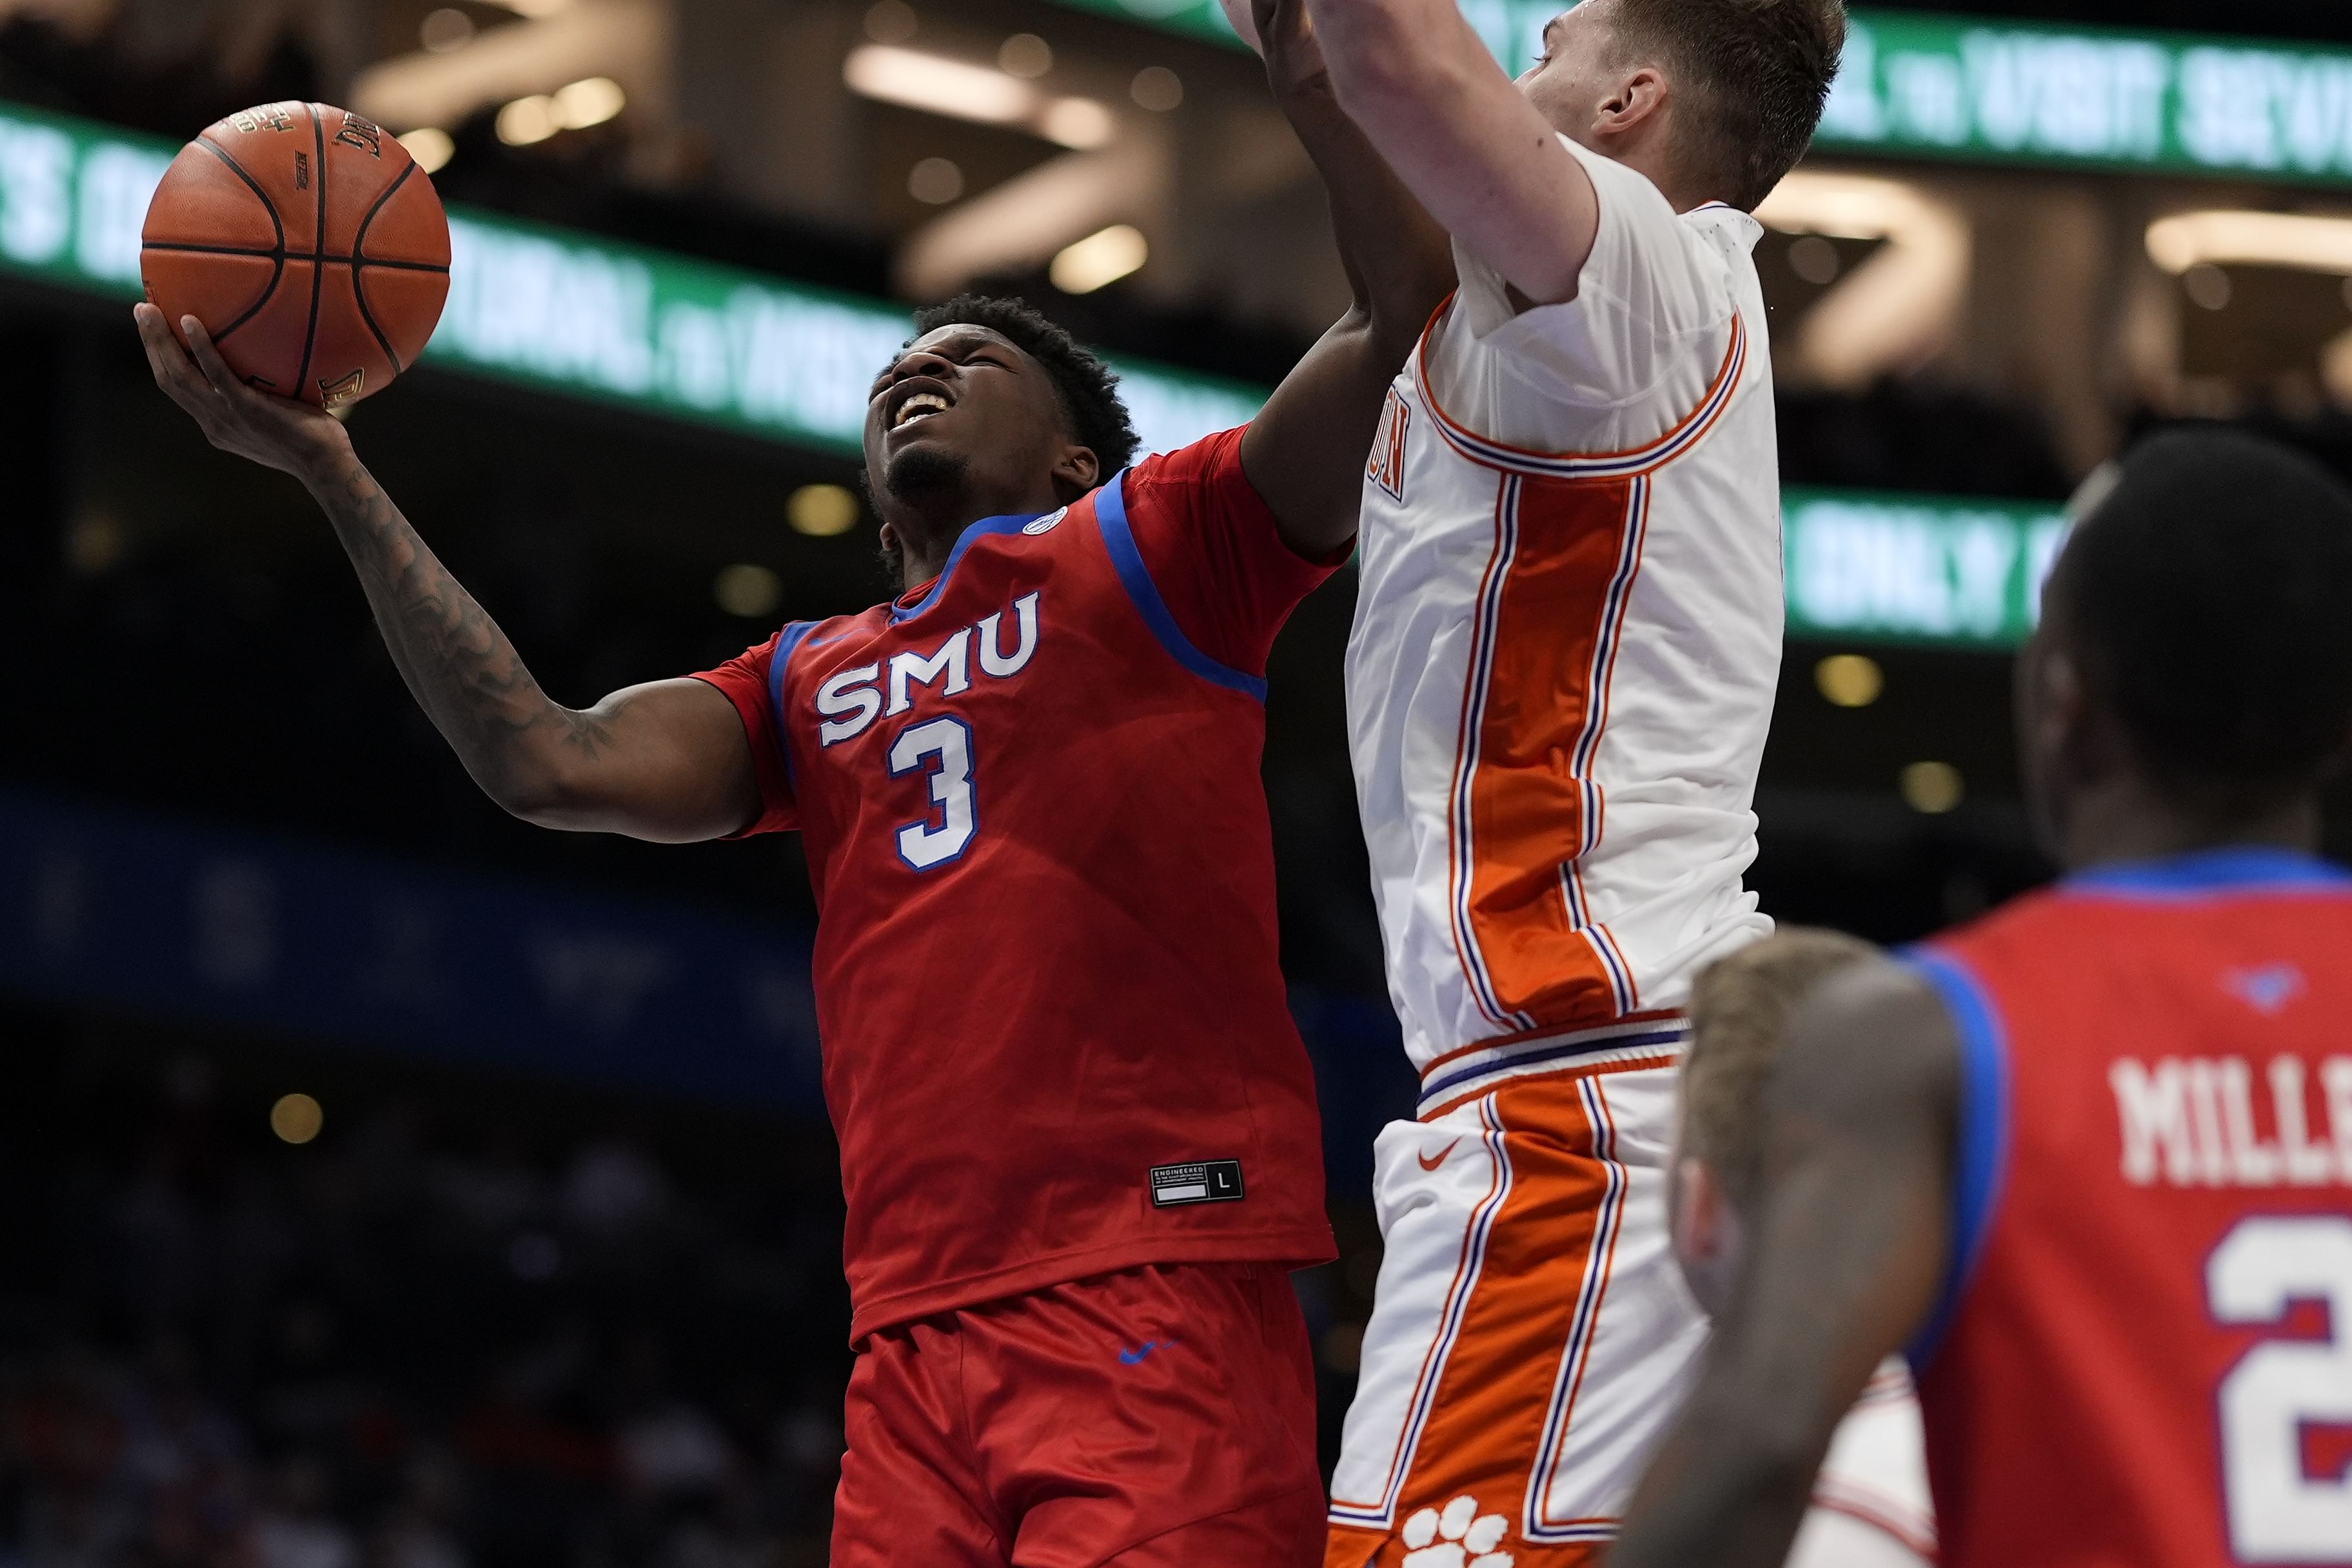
{"points": [[311, 245]]}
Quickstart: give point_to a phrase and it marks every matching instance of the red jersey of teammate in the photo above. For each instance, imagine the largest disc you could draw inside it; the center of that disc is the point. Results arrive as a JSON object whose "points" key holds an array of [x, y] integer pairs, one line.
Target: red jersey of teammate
{"points": [[2149, 1357], [1057, 1041]]}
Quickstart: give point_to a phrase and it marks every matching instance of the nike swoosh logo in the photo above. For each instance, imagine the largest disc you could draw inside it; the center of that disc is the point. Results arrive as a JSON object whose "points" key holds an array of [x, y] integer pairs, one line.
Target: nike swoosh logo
{"points": [[1429, 1164], [1136, 1357]]}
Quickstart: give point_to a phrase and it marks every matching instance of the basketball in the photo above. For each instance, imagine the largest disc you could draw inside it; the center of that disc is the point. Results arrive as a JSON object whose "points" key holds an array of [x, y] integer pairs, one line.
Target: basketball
{"points": [[311, 245]]}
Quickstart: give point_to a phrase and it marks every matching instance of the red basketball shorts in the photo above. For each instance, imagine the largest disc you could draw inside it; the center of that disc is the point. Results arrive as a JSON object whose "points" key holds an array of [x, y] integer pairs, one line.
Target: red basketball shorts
{"points": [[1161, 1415]]}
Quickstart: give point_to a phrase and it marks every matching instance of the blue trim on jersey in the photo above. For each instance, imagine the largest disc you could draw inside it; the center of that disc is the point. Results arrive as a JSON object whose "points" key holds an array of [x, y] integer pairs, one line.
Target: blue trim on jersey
{"points": [[2214, 873], [981, 529], [1110, 511], [1675, 1034], [788, 643], [1980, 1154]]}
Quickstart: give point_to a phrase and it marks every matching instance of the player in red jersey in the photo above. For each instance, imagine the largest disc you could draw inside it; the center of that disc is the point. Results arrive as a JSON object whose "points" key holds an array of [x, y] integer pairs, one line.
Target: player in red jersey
{"points": [[1078, 1135], [2091, 1157]]}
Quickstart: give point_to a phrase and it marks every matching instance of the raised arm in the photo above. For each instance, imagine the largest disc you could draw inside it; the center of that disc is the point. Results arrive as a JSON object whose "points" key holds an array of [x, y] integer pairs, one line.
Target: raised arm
{"points": [[1306, 453], [1463, 138], [667, 761], [1843, 1269]]}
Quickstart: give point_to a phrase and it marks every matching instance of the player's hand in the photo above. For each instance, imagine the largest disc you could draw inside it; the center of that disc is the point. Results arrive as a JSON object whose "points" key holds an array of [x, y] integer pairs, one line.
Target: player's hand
{"points": [[1294, 59], [275, 432]]}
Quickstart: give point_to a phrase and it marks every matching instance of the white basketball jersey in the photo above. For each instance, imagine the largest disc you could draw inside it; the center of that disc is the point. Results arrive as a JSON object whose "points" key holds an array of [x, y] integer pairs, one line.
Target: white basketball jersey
{"points": [[1566, 644]]}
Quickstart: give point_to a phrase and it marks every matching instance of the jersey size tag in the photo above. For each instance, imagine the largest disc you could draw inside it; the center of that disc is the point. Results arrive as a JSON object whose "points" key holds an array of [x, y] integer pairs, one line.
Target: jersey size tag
{"points": [[1208, 1181]]}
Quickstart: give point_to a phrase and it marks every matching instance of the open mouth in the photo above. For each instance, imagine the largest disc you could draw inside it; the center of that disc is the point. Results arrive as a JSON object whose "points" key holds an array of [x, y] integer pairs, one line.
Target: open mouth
{"points": [[922, 405]]}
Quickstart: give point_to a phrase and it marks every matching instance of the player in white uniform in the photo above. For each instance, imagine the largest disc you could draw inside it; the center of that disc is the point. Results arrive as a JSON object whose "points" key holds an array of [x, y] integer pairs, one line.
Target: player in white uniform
{"points": [[1567, 645]]}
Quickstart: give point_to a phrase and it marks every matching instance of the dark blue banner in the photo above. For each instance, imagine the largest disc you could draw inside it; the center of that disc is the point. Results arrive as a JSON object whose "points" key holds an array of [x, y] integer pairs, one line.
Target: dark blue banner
{"points": [[106, 907]]}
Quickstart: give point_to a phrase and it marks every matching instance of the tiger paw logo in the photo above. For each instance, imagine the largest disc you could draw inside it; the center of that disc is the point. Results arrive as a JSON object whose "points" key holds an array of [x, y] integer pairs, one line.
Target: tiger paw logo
{"points": [[1459, 1536]]}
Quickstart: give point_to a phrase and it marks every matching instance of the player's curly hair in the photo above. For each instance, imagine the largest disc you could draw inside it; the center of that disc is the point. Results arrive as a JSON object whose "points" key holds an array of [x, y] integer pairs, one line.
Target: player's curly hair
{"points": [[1088, 388]]}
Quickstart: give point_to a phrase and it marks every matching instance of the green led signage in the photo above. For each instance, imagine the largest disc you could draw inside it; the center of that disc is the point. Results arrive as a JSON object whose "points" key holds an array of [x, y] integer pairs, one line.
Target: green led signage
{"points": [[1908, 569], [561, 311], [1948, 87], [787, 362]]}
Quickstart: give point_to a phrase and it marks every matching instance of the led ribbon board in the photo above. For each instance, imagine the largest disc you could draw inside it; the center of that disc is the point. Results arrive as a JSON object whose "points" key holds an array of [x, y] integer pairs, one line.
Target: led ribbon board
{"points": [[1917, 85], [561, 311], [1908, 569], [786, 363]]}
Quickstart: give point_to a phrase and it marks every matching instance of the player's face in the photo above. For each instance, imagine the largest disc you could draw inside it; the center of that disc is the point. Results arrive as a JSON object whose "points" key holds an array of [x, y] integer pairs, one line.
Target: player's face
{"points": [[1578, 72], [963, 407]]}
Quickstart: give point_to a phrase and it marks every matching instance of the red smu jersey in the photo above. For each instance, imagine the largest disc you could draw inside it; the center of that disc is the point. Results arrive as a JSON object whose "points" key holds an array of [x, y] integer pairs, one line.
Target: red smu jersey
{"points": [[1057, 1041], [2146, 1358]]}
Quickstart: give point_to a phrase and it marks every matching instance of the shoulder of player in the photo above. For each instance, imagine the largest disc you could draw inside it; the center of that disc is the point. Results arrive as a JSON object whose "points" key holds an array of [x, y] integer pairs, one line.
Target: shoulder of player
{"points": [[1873, 1039], [811, 642]]}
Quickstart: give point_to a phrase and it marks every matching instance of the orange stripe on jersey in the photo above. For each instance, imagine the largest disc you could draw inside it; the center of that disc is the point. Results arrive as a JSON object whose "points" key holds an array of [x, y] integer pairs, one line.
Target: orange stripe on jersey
{"points": [[1526, 806], [1495, 1395]]}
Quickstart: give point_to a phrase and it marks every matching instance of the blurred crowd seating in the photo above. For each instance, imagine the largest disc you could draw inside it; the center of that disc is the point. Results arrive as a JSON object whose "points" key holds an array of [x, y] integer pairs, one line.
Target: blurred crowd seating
{"points": [[406, 1346]]}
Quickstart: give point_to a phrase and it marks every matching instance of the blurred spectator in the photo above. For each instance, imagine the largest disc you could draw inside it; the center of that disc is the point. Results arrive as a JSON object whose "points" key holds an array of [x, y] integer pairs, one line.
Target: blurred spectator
{"points": [[298, 1528], [350, 1357]]}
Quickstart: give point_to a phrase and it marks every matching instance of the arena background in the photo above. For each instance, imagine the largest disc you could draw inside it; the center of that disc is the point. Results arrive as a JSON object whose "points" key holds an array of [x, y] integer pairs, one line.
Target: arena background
{"points": [[386, 1180]]}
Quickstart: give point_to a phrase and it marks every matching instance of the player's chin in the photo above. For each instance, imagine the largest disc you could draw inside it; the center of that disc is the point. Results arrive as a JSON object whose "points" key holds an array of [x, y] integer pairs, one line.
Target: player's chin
{"points": [[920, 463]]}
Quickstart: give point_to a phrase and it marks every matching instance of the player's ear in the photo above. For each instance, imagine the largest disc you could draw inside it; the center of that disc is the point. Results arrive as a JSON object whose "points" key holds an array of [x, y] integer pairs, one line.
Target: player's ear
{"points": [[1077, 471], [1635, 100], [1705, 1231], [1697, 1220]]}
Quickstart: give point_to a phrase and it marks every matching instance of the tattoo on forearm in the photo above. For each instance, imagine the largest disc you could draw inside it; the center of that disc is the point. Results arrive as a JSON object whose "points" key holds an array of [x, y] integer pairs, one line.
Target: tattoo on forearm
{"points": [[460, 666]]}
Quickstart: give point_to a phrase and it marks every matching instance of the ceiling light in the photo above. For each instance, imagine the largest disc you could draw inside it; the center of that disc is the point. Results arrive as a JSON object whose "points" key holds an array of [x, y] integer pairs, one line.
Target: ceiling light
{"points": [[937, 85], [1888, 313], [2261, 239], [527, 121], [1025, 54], [1841, 206], [1158, 89], [823, 511], [431, 146], [1079, 123], [445, 29], [1850, 680], [1100, 260], [935, 182], [590, 102], [1932, 789], [748, 591]]}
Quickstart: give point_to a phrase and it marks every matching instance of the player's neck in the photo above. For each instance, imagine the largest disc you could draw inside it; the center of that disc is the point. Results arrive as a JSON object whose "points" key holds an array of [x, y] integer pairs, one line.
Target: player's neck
{"points": [[2125, 821], [927, 534]]}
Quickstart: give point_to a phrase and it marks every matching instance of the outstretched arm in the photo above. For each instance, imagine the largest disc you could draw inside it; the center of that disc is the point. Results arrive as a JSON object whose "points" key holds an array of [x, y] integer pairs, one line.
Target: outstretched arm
{"points": [[1464, 139], [667, 761], [1306, 453], [1844, 1268]]}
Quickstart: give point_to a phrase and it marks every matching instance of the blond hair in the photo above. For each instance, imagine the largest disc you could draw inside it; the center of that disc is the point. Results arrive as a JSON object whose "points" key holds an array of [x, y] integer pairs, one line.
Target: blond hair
{"points": [[1740, 1006]]}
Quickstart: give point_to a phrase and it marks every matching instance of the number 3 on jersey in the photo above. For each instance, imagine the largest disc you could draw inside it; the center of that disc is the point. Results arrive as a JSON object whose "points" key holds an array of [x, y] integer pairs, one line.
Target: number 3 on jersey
{"points": [[943, 748], [2278, 1513]]}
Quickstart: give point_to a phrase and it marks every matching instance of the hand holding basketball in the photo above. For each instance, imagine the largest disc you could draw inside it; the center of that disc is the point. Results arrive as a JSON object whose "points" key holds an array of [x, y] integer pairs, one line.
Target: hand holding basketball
{"points": [[275, 432]]}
